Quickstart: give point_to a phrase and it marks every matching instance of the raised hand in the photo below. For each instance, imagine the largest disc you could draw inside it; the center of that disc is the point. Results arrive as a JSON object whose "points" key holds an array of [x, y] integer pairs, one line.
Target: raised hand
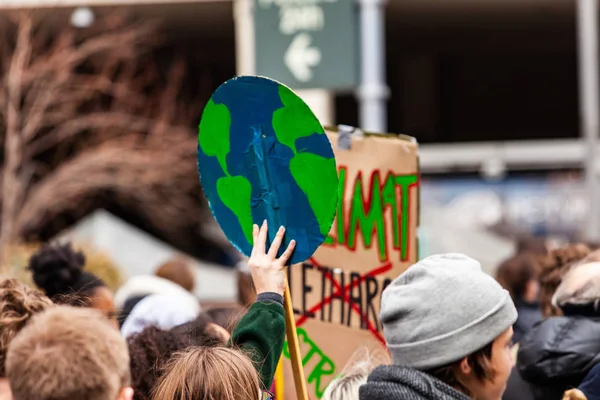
{"points": [[268, 271]]}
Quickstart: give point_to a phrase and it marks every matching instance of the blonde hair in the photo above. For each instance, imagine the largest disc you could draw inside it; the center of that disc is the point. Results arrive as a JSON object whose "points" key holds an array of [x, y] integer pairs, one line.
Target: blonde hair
{"points": [[18, 303], [574, 394], [68, 353], [355, 373], [208, 373]]}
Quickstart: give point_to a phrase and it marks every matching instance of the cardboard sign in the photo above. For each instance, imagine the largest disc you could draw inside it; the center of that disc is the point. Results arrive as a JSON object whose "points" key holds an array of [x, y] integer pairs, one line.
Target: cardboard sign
{"points": [[337, 293]]}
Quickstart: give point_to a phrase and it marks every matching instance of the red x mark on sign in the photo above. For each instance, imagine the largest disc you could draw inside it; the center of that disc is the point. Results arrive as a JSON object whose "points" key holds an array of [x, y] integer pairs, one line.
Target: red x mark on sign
{"points": [[344, 292]]}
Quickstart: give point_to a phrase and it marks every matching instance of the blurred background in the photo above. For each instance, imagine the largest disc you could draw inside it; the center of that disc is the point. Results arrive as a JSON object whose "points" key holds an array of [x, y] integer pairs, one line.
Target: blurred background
{"points": [[100, 102]]}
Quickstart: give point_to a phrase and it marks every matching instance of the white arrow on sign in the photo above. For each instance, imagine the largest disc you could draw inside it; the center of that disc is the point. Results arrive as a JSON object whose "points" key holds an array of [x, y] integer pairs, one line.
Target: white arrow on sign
{"points": [[300, 57]]}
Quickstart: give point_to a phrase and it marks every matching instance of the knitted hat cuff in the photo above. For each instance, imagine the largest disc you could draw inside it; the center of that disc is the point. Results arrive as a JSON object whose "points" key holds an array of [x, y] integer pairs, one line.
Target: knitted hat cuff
{"points": [[453, 346]]}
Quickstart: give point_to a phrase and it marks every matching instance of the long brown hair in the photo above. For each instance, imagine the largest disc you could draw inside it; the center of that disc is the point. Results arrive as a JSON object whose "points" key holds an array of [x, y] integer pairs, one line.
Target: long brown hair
{"points": [[515, 273], [209, 373], [18, 304], [553, 268]]}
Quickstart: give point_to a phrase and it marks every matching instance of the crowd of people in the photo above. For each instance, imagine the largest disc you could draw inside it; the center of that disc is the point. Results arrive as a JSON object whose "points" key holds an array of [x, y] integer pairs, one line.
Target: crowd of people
{"points": [[452, 332]]}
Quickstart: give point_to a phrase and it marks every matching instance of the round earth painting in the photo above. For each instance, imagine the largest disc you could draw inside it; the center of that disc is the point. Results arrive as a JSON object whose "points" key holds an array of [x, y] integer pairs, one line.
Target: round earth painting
{"points": [[263, 155]]}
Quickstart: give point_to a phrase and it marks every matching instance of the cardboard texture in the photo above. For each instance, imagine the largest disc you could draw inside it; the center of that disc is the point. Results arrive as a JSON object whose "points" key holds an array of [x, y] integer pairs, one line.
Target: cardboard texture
{"points": [[372, 240]]}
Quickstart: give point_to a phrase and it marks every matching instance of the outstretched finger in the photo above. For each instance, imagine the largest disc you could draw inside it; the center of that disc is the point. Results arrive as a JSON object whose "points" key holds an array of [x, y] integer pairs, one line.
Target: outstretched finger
{"points": [[285, 257], [260, 244], [254, 238], [276, 243]]}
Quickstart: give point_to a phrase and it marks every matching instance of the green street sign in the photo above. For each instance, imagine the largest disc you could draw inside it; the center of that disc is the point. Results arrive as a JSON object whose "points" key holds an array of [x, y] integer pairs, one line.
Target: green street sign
{"points": [[307, 44]]}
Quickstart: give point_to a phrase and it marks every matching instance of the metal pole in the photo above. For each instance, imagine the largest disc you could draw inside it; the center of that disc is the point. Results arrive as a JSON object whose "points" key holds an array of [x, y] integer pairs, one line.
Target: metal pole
{"points": [[373, 91], [587, 29], [244, 37]]}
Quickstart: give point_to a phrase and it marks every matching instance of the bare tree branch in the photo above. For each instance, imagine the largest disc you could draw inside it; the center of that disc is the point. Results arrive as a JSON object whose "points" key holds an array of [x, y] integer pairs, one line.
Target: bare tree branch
{"points": [[130, 174], [68, 57], [94, 121], [91, 100], [13, 140]]}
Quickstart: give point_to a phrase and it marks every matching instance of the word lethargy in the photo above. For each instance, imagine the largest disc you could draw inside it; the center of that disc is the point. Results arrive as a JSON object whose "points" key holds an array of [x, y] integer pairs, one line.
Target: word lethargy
{"points": [[338, 303]]}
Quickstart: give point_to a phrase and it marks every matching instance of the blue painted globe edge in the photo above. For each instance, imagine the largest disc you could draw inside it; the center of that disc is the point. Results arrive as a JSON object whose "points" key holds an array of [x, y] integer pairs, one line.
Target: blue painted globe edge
{"points": [[296, 257]]}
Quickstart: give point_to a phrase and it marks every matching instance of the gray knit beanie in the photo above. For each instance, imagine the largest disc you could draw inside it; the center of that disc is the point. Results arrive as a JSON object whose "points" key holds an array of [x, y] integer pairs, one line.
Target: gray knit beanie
{"points": [[441, 310]]}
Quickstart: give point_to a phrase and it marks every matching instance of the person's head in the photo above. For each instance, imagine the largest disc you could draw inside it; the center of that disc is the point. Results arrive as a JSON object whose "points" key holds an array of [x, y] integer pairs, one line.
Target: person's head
{"points": [[355, 374], [579, 291], [138, 287], [553, 268], [531, 245], [482, 374], [149, 350], [226, 317], [203, 331], [67, 353], [179, 272], [206, 373], [574, 394], [518, 275], [58, 270], [18, 303], [345, 387], [446, 317], [161, 310]]}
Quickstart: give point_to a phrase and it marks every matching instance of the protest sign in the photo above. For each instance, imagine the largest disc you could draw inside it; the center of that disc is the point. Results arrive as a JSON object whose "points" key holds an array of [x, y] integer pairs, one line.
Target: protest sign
{"points": [[337, 292], [264, 156]]}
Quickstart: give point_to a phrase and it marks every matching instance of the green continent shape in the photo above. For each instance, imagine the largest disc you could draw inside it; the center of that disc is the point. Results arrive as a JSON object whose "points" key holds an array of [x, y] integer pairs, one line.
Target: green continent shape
{"points": [[213, 135], [294, 120], [317, 177], [235, 192]]}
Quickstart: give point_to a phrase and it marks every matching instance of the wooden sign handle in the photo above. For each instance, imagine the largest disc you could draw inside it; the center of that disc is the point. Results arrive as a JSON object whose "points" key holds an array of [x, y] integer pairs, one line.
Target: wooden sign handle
{"points": [[294, 345], [279, 384]]}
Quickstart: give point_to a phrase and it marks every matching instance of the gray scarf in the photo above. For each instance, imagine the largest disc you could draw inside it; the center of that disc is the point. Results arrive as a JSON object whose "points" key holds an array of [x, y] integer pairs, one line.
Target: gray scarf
{"points": [[392, 382]]}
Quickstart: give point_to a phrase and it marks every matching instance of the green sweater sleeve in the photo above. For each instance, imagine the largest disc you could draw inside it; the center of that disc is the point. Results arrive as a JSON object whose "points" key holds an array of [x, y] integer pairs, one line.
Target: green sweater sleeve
{"points": [[261, 334]]}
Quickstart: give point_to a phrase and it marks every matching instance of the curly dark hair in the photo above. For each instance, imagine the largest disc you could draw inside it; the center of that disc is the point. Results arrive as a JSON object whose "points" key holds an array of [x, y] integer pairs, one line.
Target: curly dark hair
{"points": [[553, 268], [18, 303], [150, 349], [58, 270], [148, 352]]}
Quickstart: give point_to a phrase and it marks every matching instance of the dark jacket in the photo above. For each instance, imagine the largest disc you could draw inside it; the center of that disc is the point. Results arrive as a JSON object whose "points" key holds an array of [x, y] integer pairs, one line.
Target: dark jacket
{"points": [[591, 384], [558, 353], [529, 315], [392, 382], [261, 333], [517, 388]]}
